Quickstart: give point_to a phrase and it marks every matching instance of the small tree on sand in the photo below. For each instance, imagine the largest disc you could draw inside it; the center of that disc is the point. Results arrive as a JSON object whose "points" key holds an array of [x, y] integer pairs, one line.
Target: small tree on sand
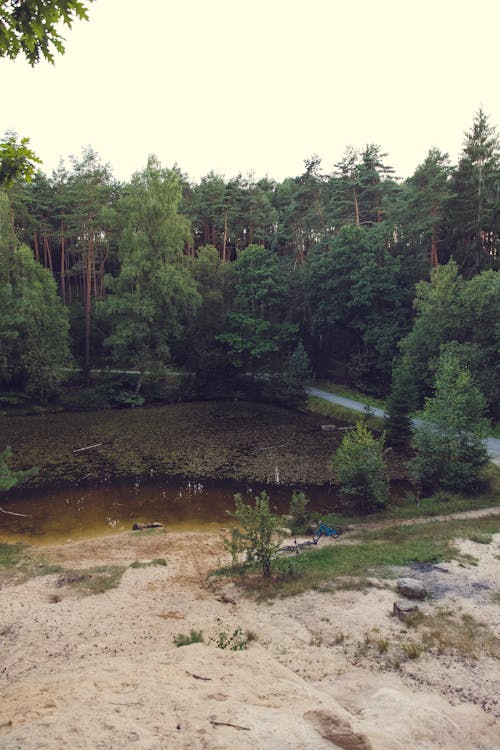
{"points": [[359, 468], [258, 535]]}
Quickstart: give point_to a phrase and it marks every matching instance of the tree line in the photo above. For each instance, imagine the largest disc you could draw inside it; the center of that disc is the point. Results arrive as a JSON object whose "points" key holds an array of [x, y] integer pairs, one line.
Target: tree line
{"points": [[350, 275]]}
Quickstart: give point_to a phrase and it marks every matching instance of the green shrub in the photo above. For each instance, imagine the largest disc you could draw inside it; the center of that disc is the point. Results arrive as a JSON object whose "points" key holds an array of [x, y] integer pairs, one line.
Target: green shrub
{"points": [[298, 511], [258, 535], [195, 636], [235, 641], [359, 468]]}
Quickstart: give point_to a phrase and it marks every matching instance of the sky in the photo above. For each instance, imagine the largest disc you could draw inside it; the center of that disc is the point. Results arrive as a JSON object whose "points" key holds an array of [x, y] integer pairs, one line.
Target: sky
{"points": [[257, 87]]}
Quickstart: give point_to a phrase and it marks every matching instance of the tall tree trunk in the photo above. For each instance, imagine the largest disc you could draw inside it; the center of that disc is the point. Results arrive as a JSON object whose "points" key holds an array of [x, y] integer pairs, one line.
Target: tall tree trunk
{"points": [[88, 298], [356, 206], [63, 269], [434, 247], [224, 239], [37, 249], [47, 253]]}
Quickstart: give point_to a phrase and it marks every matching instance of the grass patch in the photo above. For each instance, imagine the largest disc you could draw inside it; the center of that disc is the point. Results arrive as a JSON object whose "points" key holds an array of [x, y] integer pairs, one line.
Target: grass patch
{"points": [[494, 430], [352, 393], [93, 580], [371, 552], [481, 538], [148, 563], [11, 554], [181, 639], [17, 565], [341, 413], [446, 632]]}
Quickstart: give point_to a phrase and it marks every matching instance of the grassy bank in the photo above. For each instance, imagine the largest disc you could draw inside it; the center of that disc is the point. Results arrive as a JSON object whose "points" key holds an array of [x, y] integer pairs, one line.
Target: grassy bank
{"points": [[352, 393], [342, 414], [369, 553]]}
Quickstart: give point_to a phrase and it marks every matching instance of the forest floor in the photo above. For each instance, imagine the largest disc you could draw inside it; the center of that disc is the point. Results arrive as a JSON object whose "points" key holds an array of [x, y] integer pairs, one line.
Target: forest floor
{"points": [[329, 668]]}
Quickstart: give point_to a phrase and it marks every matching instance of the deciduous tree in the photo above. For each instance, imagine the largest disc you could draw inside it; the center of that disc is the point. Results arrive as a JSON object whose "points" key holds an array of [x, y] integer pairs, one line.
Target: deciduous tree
{"points": [[30, 27]]}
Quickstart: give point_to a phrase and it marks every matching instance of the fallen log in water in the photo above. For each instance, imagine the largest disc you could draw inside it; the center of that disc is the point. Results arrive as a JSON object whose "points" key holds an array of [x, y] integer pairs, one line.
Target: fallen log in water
{"points": [[142, 526]]}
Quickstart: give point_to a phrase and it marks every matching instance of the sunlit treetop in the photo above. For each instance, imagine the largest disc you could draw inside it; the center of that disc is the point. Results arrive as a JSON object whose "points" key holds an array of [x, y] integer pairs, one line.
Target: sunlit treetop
{"points": [[30, 26], [17, 160]]}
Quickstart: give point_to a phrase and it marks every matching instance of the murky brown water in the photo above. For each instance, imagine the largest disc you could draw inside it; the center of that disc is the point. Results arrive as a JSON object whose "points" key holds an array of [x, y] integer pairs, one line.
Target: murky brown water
{"points": [[71, 513]]}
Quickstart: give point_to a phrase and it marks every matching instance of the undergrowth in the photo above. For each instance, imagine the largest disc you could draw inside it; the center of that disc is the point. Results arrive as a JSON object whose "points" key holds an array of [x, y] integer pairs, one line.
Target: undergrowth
{"points": [[371, 552]]}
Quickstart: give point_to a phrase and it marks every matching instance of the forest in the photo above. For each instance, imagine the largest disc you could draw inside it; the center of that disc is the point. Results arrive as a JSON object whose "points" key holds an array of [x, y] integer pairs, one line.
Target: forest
{"points": [[249, 286]]}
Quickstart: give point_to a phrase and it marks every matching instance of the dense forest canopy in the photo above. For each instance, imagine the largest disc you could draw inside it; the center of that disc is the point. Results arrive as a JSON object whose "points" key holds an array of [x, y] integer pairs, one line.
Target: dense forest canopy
{"points": [[357, 271]]}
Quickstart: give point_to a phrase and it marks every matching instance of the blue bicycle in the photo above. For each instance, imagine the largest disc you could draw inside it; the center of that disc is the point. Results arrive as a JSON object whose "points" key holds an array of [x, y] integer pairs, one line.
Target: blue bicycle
{"points": [[325, 530]]}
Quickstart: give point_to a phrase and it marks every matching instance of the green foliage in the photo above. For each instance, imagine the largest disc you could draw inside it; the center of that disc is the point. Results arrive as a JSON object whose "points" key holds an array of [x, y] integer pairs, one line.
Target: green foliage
{"points": [[154, 293], [181, 639], [258, 535], [10, 554], [359, 468], [31, 26], [449, 446], [289, 387], [358, 306], [8, 477], [460, 314], [402, 401], [341, 414], [232, 641], [17, 160], [93, 581], [256, 333], [473, 208], [298, 511], [34, 327]]}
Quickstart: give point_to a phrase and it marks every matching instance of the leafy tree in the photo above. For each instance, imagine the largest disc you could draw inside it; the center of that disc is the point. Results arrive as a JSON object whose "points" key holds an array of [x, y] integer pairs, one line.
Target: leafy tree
{"points": [[258, 534], [34, 343], [256, 327], [154, 293], [10, 478], [17, 160], [30, 26], [449, 446], [465, 314], [357, 308], [359, 468], [438, 319]]}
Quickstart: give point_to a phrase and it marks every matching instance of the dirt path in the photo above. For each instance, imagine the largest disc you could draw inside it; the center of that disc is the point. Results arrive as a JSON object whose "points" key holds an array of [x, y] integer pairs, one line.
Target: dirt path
{"points": [[479, 513]]}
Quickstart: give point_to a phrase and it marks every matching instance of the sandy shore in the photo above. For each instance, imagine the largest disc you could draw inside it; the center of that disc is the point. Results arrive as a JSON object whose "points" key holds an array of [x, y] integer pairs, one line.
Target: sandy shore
{"points": [[102, 671]]}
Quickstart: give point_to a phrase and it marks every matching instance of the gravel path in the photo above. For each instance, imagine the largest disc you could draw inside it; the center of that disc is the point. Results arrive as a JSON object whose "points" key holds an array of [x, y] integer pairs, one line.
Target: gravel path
{"points": [[493, 444]]}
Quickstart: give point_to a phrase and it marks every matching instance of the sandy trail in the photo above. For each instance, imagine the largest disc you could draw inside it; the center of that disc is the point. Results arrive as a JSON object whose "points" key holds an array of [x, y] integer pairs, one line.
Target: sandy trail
{"points": [[103, 672]]}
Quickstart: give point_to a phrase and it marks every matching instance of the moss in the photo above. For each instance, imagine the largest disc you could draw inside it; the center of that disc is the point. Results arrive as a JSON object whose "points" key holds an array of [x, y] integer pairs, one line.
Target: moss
{"points": [[219, 440]]}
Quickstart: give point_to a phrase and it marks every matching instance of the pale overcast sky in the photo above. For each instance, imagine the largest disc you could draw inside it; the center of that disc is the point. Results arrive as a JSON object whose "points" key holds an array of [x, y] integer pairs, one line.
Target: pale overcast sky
{"points": [[259, 86]]}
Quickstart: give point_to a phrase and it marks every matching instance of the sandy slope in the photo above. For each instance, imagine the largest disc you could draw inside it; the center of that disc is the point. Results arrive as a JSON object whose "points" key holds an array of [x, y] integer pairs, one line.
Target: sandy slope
{"points": [[103, 672]]}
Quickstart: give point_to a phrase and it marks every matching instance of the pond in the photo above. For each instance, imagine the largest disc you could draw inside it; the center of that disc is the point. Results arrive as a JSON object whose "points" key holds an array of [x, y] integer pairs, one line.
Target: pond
{"points": [[76, 512]]}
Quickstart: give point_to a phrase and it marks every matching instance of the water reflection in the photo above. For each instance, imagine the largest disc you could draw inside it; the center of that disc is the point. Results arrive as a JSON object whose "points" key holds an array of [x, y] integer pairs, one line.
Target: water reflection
{"points": [[179, 504]]}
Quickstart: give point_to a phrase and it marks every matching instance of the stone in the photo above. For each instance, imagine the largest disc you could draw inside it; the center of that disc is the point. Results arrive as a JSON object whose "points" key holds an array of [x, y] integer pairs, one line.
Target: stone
{"points": [[337, 730], [411, 588], [405, 610]]}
